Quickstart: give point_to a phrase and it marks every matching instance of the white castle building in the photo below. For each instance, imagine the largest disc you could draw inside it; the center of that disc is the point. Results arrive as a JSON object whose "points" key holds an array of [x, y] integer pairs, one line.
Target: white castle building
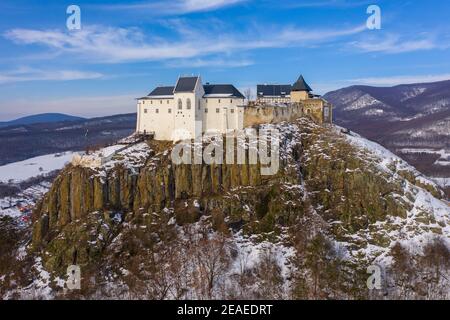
{"points": [[189, 108]]}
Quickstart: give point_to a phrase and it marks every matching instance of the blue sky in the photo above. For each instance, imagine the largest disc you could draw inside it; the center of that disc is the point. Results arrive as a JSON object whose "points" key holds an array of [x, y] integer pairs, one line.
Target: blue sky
{"points": [[125, 48]]}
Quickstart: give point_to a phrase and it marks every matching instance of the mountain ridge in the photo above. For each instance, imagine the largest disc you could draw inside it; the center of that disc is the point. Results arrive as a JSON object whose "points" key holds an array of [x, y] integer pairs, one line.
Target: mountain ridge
{"points": [[402, 118], [21, 142], [41, 118]]}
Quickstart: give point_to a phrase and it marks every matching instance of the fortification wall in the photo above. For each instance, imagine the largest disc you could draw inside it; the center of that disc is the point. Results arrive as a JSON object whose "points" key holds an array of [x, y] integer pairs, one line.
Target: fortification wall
{"points": [[255, 115]]}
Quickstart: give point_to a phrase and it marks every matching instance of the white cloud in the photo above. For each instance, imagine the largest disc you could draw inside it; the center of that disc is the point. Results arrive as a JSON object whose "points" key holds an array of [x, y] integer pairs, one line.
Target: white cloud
{"points": [[397, 80], [30, 74], [175, 7], [393, 44], [210, 63], [326, 3], [112, 45]]}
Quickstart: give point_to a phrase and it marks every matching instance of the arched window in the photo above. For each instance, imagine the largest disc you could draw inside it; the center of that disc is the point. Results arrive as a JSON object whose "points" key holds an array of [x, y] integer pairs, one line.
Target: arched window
{"points": [[188, 104], [180, 104]]}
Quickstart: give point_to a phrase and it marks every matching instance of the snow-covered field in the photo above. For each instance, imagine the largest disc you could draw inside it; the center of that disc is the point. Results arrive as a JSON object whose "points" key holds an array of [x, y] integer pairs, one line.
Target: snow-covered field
{"points": [[23, 170], [10, 206], [20, 205]]}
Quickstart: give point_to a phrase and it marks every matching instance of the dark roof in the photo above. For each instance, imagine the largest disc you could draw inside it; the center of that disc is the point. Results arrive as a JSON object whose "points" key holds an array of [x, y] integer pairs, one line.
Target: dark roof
{"points": [[162, 91], [277, 90], [227, 89], [301, 85], [186, 84]]}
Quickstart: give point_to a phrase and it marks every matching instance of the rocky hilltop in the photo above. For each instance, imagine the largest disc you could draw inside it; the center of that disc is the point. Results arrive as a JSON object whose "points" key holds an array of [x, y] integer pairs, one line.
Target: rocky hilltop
{"points": [[140, 226], [411, 120]]}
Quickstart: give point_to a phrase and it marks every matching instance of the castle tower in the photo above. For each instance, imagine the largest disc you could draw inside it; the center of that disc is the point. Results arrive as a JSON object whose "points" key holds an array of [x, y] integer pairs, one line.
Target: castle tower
{"points": [[187, 94], [300, 90]]}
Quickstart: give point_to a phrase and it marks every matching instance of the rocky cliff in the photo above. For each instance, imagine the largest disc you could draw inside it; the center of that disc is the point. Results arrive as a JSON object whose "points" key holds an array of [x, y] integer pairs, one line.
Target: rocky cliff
{"points": [[158, 230]]}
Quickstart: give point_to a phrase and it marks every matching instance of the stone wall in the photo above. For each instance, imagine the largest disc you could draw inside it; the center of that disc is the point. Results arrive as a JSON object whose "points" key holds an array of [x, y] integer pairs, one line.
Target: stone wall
{"points": [[315, 109], [255, 115]]}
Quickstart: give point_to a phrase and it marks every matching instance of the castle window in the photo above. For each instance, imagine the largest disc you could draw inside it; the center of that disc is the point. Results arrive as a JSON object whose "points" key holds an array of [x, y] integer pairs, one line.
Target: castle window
{"points": [[188, 104], [180, 104], [169, 110], [157, 110], [143, 102], [199, 105], [219, 100], [206, 110], [232, 110], [160, 101], [217, 110], [326, 112], [167, 101], [145, 110], [151, 101], [231, 100]]}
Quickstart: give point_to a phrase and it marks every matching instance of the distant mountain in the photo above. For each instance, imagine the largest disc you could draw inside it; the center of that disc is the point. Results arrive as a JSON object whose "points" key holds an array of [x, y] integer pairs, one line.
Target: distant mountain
{"points": [[41, 118], [411, 120], [20, 142]]}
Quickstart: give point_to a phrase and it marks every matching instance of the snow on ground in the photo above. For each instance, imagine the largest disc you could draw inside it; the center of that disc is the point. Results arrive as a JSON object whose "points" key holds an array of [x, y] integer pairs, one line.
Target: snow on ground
{"points": [[444, 159], [364, 101], [10, 206], [249, 254], [39, 289], [387, 158], [131, 156], [24, 170], [109, 151], [413, 232], [443, 182]]}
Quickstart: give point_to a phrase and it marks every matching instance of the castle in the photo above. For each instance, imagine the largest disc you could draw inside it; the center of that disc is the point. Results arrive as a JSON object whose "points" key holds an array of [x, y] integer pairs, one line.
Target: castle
{"points": [[190, 108]]}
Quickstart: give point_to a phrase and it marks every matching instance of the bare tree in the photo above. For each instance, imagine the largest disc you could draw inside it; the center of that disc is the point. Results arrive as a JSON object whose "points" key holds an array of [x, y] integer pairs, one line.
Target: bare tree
{"points": [[212, 261], [248, 94]]}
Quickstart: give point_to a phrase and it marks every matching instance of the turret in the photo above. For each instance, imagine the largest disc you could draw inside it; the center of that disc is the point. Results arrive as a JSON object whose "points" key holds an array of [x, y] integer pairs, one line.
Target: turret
{"points": [[300, 90]]}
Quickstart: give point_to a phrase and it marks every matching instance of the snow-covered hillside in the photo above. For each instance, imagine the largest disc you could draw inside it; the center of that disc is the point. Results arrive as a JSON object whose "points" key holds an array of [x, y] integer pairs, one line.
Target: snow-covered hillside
{"points": [[254, 262], [29, 180], [24, 170], [415, 116]]}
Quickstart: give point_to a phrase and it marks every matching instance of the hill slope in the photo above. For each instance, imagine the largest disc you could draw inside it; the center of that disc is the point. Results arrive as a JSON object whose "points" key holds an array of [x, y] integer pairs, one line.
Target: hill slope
{"points": [[413, 120], [21, 142], [41, 118], [158, 230]]}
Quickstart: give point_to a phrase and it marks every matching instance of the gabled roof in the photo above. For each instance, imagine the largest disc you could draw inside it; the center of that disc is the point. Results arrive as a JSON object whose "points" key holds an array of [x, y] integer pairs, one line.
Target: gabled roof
{"points": [[222, 89], [274, 90], [162, 91], [186, 84], [301, 85]]}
